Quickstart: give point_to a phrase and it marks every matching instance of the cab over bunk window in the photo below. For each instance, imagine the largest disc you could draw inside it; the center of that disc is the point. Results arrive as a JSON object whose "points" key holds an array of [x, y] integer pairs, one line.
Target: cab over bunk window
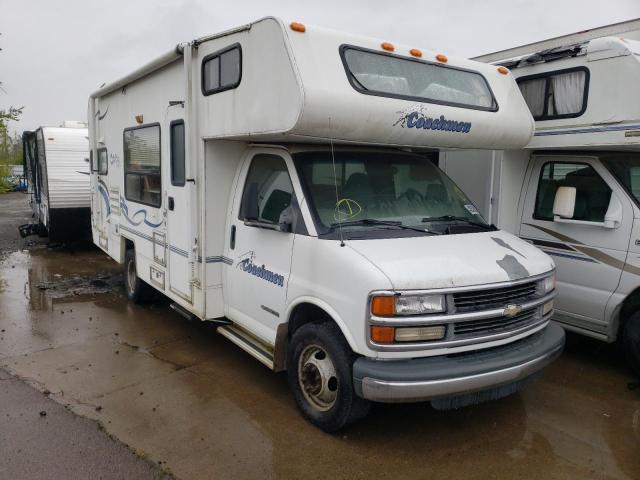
{"points": [[142, 182], [387, 75], [592, 192], [222, 70], [559, 94]]}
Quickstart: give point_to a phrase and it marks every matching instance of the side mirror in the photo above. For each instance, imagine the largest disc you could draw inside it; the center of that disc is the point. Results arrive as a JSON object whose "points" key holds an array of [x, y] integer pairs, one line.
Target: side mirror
{"points": [[613, 217], [564, 203], [249, 206]]}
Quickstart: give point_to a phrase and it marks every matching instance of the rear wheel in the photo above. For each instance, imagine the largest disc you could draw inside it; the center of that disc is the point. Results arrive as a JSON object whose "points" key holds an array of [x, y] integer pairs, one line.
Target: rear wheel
{"points": [[631, 341], [319, 370], [137, 290]]}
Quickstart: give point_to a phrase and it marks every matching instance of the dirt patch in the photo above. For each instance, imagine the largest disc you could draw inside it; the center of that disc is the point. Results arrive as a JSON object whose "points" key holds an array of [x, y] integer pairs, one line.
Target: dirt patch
{"points": [[60, 287]]}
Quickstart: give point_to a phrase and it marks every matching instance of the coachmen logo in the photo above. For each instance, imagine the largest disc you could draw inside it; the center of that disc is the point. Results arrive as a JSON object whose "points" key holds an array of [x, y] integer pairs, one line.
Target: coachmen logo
{"points": [[511, 310]]}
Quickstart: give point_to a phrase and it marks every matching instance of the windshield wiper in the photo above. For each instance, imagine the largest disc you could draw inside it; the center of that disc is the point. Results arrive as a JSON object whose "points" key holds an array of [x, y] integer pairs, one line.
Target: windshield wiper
{"points": [[388, 223], [459, 219]]}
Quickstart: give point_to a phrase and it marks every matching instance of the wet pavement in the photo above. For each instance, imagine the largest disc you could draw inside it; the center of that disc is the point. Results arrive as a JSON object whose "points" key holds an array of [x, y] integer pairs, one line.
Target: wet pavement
{"points": [[185, 398]]}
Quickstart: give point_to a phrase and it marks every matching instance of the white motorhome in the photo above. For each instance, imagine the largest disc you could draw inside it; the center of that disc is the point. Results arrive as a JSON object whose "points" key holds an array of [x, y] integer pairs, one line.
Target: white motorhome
{"points": [[57, 172], [277, 179], [574, 190]]}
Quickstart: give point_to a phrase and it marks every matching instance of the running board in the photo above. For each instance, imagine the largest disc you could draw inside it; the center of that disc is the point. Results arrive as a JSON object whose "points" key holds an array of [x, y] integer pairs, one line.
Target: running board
{"points": [[250, 344], [190, 316]]}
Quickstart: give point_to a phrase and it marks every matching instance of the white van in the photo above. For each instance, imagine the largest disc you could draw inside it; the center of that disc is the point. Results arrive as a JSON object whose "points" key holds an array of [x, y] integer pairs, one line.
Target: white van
{"points": [[57, 173], [278, 180], [574, 191]]}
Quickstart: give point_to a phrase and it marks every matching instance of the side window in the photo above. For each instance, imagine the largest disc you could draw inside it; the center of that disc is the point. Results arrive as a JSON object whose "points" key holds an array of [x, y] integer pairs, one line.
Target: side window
{"points": [[559, 94], [592, 192], [222, 70], [142, 165], [275, 191], [103, 162], [177, 153]]}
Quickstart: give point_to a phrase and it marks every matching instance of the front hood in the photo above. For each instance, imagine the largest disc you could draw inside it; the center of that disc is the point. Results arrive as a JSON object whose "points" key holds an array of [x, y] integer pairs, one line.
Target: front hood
{"points": [[453, 260]]}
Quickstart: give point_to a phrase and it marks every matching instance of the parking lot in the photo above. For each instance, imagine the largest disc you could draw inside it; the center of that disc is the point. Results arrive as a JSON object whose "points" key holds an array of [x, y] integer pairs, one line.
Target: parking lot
{"points": [[180, 395]]}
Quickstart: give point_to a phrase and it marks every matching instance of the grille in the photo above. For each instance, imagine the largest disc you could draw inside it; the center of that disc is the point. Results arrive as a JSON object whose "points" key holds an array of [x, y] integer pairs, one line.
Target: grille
{"points": [[489, 326], [494, 298]]}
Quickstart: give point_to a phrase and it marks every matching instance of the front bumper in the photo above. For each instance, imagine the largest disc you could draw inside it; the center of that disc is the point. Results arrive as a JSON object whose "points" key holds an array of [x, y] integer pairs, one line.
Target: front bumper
{"points": [[449, 376]]}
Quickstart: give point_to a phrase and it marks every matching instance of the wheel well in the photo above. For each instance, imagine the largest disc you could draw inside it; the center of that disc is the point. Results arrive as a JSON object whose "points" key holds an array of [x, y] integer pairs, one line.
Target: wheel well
{"points": [[128, 244], [630, 305], [301, 314]]}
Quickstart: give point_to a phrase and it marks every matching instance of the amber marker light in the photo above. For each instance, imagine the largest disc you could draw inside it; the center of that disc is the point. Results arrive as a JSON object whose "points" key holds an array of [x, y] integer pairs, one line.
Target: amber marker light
{"points": [[387, 46], [382, 334], [415, 52], [383, 306], [442, 58], [139, 119], [298, 27], [503, 70]]}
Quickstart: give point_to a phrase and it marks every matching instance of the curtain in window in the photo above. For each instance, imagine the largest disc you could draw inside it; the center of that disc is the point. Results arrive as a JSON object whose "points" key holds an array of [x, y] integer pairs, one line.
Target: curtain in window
{"points": [[533, 93], [568, 92]]}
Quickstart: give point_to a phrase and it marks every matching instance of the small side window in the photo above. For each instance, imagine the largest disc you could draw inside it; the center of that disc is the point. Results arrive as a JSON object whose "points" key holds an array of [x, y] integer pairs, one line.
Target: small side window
{"points": [[177, 153], [142, 180], [592, 192], [270, 175], [222, 70], [103, 162]]}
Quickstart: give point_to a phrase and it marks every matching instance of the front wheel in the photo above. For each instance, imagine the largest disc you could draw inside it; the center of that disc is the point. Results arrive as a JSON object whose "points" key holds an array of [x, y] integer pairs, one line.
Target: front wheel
{"points": [[319, 370], [137, 290], [631, 341]]}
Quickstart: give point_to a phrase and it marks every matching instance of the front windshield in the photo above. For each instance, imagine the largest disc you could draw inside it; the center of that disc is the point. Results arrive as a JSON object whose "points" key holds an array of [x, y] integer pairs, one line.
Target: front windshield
{"points": [[360, 190], [626, 168]]}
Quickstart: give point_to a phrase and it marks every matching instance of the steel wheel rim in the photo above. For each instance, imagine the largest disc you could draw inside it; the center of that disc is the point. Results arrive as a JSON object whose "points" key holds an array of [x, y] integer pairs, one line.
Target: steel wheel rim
{"points": [[317, 377], [131, 275]]}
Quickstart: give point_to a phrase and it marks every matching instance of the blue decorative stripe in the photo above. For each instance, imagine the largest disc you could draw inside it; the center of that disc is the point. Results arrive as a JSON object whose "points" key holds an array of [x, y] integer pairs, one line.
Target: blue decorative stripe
{"points": [[587, 130], [136, 232], [102, 188], [574, 257], [133, 220], [179, 251]]}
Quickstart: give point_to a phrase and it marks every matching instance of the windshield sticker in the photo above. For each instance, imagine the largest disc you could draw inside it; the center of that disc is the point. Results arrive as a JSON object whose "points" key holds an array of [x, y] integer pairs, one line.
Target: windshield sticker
{"points": [[471, 209], [246, 264], [417, 118], [346, 208]]}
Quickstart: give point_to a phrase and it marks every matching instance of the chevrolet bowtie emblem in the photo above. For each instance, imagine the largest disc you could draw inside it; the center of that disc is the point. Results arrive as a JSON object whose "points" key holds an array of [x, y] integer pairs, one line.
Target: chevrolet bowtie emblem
{"points": [[511, 310]]}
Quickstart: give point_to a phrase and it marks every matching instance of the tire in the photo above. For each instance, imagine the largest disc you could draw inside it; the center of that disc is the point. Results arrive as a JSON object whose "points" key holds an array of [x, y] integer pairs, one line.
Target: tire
{"points": [[319, 370], [631, 342], [137, 290]]}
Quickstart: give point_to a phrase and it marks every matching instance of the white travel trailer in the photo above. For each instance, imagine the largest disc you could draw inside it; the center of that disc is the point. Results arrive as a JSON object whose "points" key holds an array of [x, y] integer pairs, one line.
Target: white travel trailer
{"points": [[57, 172], [276, 179], [574, 191]]}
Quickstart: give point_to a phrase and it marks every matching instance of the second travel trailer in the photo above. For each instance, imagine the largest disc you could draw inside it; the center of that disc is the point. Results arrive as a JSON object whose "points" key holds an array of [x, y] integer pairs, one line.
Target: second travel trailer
{"points": [[574, 190], [56, 165], [277, 180]]}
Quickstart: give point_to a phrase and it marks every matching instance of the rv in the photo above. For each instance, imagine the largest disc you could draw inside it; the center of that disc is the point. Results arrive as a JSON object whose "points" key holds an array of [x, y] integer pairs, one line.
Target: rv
{"points": [[278, 180], [574, 190], [56, 165]]}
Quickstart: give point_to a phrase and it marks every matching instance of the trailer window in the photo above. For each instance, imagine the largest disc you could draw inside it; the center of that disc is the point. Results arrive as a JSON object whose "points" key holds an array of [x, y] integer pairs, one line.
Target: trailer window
{"points": [[142, 164], [592, 192], [177, 153], [559, 94], [103, 161], [386, 75], [222, 70]]}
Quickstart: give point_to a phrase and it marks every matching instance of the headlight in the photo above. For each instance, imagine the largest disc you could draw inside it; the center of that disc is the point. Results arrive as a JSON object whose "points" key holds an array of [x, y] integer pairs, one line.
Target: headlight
{"points": [[387, 306], [549, 283]]}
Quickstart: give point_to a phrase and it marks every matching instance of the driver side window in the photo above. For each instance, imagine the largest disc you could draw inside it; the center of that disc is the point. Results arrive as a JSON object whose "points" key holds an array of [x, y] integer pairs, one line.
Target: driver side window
{"points": [[273, 184]]}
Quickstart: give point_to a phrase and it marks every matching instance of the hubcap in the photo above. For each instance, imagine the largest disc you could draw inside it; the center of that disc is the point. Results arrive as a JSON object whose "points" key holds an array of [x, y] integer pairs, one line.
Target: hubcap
{"points": [[317, 377], [131, 275]]}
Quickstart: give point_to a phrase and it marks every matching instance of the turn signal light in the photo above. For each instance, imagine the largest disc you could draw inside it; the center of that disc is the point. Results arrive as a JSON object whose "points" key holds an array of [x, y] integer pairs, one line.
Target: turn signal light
{"points": [[387, 46], [383, 306], [415, 52], [442, 58], [503, 70], [298, 27], [382, 334]]}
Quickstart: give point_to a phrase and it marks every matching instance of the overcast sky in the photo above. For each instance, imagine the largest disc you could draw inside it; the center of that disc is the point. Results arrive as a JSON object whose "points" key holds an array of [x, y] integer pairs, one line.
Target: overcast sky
{"points": [[56, 52]]}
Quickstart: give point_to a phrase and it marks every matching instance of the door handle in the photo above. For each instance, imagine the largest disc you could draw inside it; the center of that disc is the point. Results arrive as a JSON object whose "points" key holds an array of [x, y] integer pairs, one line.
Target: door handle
{"points": [[232, 240], [171, 203]]}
